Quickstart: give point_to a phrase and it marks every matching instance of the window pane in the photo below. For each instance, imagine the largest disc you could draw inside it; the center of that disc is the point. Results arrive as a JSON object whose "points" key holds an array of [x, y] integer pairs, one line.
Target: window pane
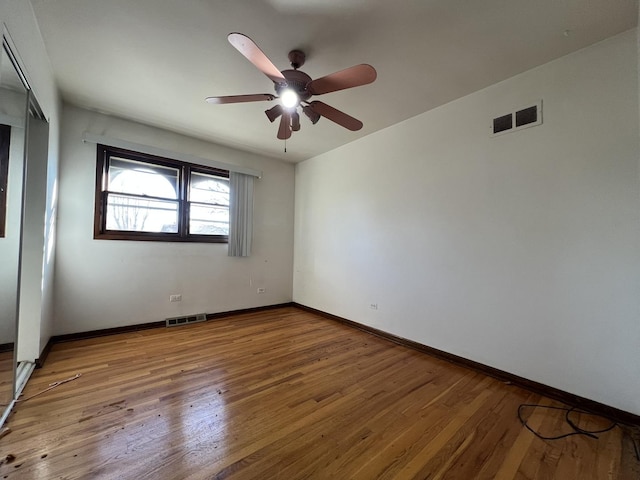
{"points": [[209, 189], [140, 178], [136, 214], [144, 197], [209, 220]]}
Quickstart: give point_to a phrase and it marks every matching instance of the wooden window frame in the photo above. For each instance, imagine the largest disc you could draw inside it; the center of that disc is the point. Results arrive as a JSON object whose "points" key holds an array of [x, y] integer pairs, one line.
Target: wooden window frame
{"points": [[5, 143], [100, 232]]}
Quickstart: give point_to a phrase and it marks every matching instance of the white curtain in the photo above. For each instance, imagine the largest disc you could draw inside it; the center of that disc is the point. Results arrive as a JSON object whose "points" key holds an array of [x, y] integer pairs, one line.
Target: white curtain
{"points": [[240, 214]]}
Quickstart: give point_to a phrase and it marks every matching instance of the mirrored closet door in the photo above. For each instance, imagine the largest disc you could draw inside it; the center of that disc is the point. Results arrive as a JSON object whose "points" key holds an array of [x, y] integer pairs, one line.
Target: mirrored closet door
{"points": [[13, 111], [23, 170]]}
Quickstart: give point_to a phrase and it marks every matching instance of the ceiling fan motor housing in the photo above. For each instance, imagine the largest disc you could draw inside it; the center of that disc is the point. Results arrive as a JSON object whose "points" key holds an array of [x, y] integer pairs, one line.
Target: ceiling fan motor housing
{"points": [[296, 81]]}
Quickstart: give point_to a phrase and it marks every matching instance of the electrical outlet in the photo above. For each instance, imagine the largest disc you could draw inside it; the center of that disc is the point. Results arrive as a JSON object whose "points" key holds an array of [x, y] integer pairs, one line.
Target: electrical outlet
{"points": [[373, 306], [175, 298], [261, 290]]}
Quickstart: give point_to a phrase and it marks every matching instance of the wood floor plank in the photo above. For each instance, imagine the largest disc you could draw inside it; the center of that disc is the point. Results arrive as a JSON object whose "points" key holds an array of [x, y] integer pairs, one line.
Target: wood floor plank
{"points": [[543, 456], [284, 394]]}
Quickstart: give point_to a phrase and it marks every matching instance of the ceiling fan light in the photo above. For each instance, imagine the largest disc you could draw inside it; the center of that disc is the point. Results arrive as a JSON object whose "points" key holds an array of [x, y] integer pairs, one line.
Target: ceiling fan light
{"points": [[312, 114], [289, 98], [273, 113], [295, 121]]}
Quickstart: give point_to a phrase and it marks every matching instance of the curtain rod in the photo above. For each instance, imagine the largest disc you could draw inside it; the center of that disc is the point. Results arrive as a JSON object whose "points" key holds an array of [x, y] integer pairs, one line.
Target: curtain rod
{"points": [[159, 152]]}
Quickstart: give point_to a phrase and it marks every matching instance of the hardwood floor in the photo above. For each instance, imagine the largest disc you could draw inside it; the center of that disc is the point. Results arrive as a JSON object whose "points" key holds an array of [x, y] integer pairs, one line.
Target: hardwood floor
{"points": [[7, 370], [285, 394]]}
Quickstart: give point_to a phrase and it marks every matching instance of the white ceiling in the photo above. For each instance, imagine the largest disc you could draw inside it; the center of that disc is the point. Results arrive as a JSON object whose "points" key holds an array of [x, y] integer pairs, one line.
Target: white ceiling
{"points": [[156, 60]]}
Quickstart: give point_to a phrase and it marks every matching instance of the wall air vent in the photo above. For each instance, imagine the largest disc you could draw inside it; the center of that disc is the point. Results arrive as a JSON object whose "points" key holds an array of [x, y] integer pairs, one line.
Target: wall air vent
{"points": [[518, 119], [502, 123], [174, 322]]}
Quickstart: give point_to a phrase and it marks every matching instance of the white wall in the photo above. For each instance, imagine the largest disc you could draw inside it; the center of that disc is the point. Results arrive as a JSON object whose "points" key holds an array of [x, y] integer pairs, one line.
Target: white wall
{"points": [[109, 283], [521, 252], [19, 22]]}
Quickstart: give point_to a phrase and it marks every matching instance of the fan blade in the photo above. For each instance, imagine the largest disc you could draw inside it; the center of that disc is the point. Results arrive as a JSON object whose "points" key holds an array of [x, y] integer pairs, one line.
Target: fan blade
{"points": [[336, 116], [284, 131], [252, 52], [347, 78], [258, 97]]}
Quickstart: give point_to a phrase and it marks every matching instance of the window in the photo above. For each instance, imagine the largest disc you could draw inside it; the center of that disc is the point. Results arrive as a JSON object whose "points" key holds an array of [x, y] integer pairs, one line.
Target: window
{"points": [[5, 136], [144, 197]]}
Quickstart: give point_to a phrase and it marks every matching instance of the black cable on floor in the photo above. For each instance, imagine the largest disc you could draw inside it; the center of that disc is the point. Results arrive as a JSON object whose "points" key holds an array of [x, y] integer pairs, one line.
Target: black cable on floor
{"points": [[568, 410], [576, 429]]}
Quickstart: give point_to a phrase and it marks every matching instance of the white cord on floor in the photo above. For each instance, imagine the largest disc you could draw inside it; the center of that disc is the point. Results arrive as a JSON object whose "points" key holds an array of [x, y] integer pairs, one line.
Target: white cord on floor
{"points": [[51, 387]]}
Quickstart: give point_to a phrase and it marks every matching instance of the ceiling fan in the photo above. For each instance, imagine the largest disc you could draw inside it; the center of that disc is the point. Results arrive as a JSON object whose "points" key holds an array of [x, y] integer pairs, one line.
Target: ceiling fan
{"points": [[294, 88]]}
